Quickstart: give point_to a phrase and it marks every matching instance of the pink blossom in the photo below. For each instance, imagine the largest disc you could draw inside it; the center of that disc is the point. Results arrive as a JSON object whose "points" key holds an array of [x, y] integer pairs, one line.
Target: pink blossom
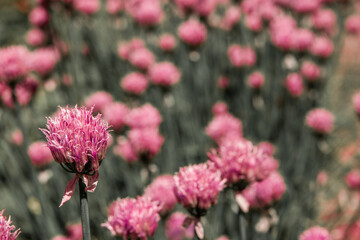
{"points": [[126, 48], [302, 39], [25, 90], [60, 237], [205, 7], [149, 13], [125, 149], [356, 102], [324, 19], [17, 137], [135, 83], [161, 190], [294, 84], [142, 58], [256, 80], [253, 22], [167, 42], [222, 238], [223, 82], [197, 187], [220, 108], [98, 100], [232, 16], [320, 120], [39, 154], [114, 6], [281, 31], [310, 71], [115, 114], [174, 229], [306, 6], [315, 233], [192, 32], [353, 179], [352, 24], [241, 56], [43, 60], [6, 95], [74, 231], [13, 62], [224, 126], [266, 147], [7, 230], [322, 178], [133, 218], [35, 37], [78, 141], [164, 74], [39, 16], [87, 6], [144, 117], [146, 141], [322, 47]]}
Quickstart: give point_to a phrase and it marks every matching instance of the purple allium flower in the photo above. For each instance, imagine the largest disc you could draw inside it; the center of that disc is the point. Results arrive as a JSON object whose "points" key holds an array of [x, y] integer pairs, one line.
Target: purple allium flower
{"points": [[197, 187], [135, 83], [43, 60], [146, 141], [115, 114], [78, 141], [142, 58], [320, 120], [174, 229], [161, 190], [164, 74], [224, 126], [192, 32], [13, 62], [133, 218], [144, 117], [315, 233], [6, 229], [98, 100]]}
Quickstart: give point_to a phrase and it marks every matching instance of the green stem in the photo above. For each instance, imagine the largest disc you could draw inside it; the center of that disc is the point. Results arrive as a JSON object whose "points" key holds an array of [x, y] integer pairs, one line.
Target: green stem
{"points": [[84, 208]]}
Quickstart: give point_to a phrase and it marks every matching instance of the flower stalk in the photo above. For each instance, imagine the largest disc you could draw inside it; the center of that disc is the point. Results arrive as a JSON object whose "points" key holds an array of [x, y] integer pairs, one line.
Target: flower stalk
{"points": [[84, 211]]}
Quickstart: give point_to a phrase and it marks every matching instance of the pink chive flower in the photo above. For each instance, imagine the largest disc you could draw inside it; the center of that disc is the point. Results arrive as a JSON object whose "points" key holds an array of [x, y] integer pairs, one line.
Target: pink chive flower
{"points": [[320, 120], [114, 6], [115, 114], [240, 56], [39, 154], [353, 179], [167, 42], [87, 6], [39, 16], [197, 187], [25, 90], [302, 39], [267, 148], [352, 24], [13, 62], [149, 13], [161, 190], [126, 48], [78, 141], [174, 229], [43, 60], [356, 102], [322, 47], [294, 84], [306, 6], [315, 233], [232, 16], [164, 74], [264, 193], [220, 108], [310, 71], [35, 37], [98, 100], [240, 162], [133, 218], [253, 22], [145, 116], [17, 137], [224, 126], [146, 141], [125, 150], [74, 231], [324, 19], [281, 31], [192, 32], [6, 229], [6, 95], [135, 83], [223, 82], [256, 80], [142, 58]]}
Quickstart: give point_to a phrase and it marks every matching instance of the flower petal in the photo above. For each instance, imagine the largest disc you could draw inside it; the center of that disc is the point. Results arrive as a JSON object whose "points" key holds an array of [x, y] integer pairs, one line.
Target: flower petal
{"points": [[69, 190]]}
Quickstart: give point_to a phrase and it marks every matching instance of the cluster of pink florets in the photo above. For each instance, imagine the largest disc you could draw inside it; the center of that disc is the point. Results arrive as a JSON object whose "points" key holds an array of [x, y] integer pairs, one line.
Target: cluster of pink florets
{"points": [[315, 233], [241, 56], [7, 231], [320, 121]]}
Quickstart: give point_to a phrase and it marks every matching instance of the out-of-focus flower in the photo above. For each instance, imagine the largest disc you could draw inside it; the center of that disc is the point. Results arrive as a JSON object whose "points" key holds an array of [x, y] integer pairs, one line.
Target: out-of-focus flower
{"points": [[161, 190], [74, 231], [7, 230], [126, 48], [60, 237], [98, 100], [223, 82], [39, 16], [144, 117], [353, 179], [220, 108], [315, 233], [78, 141], [294, 84], [306, 6], [281, 31], [35, 37], [13, 62], [322, 47], [356, 102], [17, 137], [167, 42], [222, 238], [43, 60], [224, 126], [198, 187], [87, 6], [320, 120], [174, 229], [232, 16], [133, 218], [324, 19], [202, 8], [322, 178], [310, 71], [253, 22], [149, 13], [267, 148], [301, 39], [39, 154], [146, 141], [142, 58], [192, 32], [25, 90], [256, 80], [164, 74], [115, 114], [352, 24], [6, 95], [241, 56], [135, 83], [114, 6], [126, 150]]}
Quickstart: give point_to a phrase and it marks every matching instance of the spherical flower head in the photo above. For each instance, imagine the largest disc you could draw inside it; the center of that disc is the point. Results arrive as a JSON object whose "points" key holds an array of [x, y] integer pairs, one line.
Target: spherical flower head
{"points": [[294, 84], [267, 148], [310, 71], [352, 24], [40, 155], [39, 16], [142, 58], [324, 19], [281, 31], [144, 117], [306, 6], [174, 229], [13, 62], [197, 187], [256, 80], [322, 47], [356, 102], [192, 32], [87, 6], [232, 16], [315, 233], [6, 95], [220, 108], [17, 137], [125, 150], [74, 231], [149, 13], [206, 7], [167, 42], [114, 6], [253, 22], [133, 218], [6, 229], [164, 74], [353, 179], [240, 56], [35, 37], [302, 39], [25, 90], [43, 60], [135, 83], [98, 100], [224, 126], [161, 190], [115, 114], [146, 141], [320, 120]]}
